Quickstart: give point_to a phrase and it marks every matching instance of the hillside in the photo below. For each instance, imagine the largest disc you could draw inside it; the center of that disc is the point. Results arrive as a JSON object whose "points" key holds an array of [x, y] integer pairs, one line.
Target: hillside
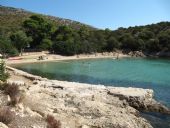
{"points": [[20, 29], [12, 18]]}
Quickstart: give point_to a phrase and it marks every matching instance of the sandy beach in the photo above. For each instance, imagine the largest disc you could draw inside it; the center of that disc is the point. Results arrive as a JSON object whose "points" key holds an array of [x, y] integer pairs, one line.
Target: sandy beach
{"points": [[34, 57]]}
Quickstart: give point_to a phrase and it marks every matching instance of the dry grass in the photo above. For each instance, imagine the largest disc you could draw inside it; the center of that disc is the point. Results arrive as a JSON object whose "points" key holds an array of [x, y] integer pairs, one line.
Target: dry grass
{"points": [[2, 85], [52, 122], [14, 93], [6, 115]]}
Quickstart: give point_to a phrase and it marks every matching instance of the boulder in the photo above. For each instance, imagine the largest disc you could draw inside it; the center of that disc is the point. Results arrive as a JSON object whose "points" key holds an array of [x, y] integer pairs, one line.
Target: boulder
{"points": [[136, 54], [3, 125]]}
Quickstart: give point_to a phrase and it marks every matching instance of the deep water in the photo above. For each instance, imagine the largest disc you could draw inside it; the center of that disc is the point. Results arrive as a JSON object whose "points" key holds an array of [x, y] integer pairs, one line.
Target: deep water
{"points": [[128, 72]]}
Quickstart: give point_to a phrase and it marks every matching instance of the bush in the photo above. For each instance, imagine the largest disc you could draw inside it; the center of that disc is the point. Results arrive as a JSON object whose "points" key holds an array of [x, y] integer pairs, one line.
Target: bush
{"points": [[52, 122], [6, 47], [6, 115], [14, 93], [3, 86], [3, 75]]}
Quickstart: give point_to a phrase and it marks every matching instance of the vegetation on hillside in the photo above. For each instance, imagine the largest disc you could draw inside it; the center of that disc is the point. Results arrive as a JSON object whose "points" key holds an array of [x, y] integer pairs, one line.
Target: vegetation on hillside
{"points": [[40, 32]]}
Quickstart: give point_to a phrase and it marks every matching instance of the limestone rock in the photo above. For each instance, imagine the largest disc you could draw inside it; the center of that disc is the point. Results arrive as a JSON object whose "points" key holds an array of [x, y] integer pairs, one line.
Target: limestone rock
{"points": [[85, 126], [136, 54], [141, 99], [19, 83], [84, 105], [3, 125]]}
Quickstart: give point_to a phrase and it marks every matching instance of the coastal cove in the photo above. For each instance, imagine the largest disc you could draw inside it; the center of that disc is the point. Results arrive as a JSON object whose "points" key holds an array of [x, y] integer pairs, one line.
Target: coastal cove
{"points": [[127, 72], [70, 64]]}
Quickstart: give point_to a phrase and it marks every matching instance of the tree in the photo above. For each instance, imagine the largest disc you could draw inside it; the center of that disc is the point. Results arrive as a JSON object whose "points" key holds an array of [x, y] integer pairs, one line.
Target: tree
{"points": [[164, 40], [20, 40], [112, 43], [64, 48], [153, 45], [63, 33], [108, 32], [84, 33], [38, 28], [99, 40], [67, 41], [46, 44], [146, 35], [6, 48], [128, 42]]}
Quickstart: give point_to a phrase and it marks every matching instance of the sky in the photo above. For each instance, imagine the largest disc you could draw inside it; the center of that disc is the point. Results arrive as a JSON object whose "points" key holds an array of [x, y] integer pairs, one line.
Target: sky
{"points": [[102, 14]]}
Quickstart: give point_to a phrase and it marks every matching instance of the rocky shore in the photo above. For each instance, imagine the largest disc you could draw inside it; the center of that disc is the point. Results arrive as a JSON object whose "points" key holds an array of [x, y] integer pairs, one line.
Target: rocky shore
{"points": [[79, 105], [146, 54]]}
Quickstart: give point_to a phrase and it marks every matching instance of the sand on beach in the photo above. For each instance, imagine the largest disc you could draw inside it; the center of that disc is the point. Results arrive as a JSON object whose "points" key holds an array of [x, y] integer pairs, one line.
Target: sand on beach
{"points": [[34, 57]]}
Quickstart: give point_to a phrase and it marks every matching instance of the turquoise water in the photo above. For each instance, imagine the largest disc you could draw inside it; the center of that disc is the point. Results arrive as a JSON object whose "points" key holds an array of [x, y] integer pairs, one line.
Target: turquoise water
{"points": [[146, 73]]}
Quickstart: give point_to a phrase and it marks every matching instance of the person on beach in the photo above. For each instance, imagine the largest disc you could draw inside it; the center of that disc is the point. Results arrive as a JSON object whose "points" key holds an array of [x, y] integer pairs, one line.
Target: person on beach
{"points": [[117, 56]]}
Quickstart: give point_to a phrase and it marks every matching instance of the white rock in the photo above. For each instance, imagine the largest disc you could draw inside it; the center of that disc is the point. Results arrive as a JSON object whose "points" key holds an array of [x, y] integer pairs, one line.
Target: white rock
{"points": [[3, 125], [85, 126], [19, 83]]}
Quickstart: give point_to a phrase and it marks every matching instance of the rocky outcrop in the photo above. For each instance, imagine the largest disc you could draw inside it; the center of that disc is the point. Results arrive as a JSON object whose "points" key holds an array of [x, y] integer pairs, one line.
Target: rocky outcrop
{"points": [[136, 54], [140, 99], [84, 105], [147, 54], [159, 54]]}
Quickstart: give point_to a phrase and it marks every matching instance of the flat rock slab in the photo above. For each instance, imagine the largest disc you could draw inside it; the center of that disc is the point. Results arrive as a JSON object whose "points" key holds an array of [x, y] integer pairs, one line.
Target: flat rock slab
{"points": [[131, 92]]}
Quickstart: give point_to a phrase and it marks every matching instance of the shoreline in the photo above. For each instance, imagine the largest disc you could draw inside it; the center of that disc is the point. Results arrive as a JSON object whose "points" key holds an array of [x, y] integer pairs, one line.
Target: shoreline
{"points": [[53, 57], [33, 57], [89, 105], [124, 93], [39, 88]]}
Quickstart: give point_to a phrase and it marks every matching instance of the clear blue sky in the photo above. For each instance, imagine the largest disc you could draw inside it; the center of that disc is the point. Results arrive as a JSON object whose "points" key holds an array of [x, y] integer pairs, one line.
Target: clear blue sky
{"points": [[100, 13]]}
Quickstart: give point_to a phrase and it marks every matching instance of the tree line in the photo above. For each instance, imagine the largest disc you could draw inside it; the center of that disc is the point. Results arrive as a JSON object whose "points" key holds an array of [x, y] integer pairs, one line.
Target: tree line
{"points": [[40, 33]]}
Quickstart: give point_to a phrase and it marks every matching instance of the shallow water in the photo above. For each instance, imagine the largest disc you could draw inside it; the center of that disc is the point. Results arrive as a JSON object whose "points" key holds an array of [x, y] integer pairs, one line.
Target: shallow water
{"points": [[138, 72]]}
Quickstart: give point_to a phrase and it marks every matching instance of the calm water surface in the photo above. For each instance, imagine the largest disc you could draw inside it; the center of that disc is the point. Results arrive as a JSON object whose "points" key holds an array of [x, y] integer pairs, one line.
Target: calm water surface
{"points": [[145, 73]]}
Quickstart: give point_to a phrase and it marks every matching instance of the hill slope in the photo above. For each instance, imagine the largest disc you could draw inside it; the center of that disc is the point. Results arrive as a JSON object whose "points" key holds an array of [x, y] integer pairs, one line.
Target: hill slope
{"points": [[71, 37], [12, 18]]}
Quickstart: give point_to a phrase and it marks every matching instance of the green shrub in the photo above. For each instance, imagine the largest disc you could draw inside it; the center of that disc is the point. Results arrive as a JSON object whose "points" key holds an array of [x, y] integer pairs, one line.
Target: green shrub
{"points": [[3, 74], [6, 47]]}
